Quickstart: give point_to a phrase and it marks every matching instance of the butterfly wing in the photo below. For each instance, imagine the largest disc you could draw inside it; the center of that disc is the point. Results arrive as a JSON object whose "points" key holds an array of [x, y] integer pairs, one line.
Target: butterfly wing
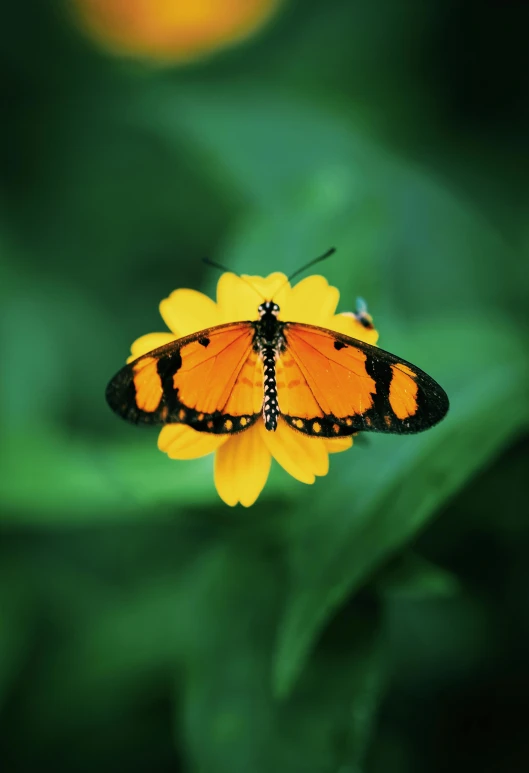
{"points": [[211, 380], [330, 385]]}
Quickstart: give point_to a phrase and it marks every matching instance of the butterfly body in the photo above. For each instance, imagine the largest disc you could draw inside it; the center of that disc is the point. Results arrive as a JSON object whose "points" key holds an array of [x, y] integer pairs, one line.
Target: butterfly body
{"points": [[322, 383], [269, 343]]}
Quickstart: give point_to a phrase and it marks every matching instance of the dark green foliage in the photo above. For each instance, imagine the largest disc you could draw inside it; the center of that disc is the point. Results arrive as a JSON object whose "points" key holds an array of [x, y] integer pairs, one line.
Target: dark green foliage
{"points": [[145, 626]]}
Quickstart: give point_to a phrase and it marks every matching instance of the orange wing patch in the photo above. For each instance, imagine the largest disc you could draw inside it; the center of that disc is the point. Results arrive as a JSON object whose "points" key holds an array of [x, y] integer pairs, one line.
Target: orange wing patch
{"points": [[403, 391], [147, 383], [246, 396], [210, 368], [294, 394], [336, 376]]}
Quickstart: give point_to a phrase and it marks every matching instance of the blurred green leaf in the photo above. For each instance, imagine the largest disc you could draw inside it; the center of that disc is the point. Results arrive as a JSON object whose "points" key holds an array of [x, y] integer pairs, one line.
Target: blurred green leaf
{"points": [[74, 480], [301, 140], [412, 576], [231, 721], [15, 628], [400, 482], [431, 638], [312, 178], [122, 639]]}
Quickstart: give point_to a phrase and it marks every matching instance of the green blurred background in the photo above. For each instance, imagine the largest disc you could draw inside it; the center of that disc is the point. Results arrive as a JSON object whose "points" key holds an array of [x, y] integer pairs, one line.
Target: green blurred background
{"points": [[377, 621]]}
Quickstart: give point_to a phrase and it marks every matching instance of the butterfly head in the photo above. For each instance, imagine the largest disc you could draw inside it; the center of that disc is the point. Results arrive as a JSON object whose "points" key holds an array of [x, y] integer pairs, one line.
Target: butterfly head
{"points": [[267, 309]]}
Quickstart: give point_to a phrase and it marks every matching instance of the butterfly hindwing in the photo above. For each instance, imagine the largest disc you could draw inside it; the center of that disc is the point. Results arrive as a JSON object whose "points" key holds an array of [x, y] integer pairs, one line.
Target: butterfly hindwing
{"points": [[332, 385], [211, 380]]}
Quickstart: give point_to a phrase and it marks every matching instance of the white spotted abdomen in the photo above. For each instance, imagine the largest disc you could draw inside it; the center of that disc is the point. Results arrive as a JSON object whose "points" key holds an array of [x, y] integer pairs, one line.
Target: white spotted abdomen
{"points": [[270, 405]]}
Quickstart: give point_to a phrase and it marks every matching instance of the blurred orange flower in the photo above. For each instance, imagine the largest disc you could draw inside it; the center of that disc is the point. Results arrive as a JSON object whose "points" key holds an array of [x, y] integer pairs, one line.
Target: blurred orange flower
{"points": [[171, 30]]}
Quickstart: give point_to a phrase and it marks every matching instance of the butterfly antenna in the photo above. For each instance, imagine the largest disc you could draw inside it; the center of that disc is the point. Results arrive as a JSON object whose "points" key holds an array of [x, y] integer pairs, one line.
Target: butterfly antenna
{"points": [[305, 267], [212, 263], [312, 263]]}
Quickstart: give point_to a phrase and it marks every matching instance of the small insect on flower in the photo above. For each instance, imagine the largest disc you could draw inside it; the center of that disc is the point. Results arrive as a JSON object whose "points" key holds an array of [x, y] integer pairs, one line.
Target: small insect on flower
{"points": [[268, 371]]}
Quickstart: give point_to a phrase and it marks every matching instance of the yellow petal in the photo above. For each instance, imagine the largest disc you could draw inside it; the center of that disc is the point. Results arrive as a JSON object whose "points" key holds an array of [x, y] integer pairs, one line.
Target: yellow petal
{"points": [[272, 287], [179, 441], [236, 299], [348, 324], [335, 445], [239, 297], [241, 467], [188, 311], [312, 301], [301, 456], [149, 342]]}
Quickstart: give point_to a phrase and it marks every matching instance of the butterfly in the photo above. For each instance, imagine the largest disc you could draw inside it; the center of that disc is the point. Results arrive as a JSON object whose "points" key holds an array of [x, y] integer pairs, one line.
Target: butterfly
{"points": [[322, 383]]}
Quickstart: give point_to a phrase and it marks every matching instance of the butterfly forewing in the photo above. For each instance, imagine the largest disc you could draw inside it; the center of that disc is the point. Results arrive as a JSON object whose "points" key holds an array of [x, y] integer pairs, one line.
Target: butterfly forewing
{"points": [[341, 385], [211, 380]]}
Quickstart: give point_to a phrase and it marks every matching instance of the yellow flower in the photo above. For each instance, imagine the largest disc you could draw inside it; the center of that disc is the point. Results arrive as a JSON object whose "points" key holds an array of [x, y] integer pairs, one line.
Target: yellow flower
{"points": [[171, 30], [242, 461]]}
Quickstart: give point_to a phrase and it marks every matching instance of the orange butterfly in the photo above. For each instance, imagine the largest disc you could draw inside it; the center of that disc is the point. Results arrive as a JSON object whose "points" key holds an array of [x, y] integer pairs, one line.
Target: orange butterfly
{"points": [[321, 382]]}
